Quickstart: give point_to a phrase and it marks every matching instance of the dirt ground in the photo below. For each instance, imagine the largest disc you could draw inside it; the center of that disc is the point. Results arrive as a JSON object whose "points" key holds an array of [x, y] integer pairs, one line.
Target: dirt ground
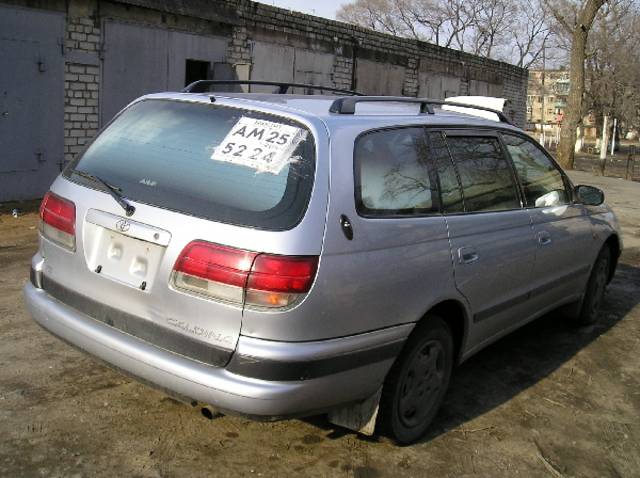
{"points": [[548, 401]]}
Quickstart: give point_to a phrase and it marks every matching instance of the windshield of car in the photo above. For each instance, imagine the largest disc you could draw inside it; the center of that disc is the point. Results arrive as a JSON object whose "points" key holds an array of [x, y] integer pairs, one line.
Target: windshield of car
{"points": [[225, 164]]}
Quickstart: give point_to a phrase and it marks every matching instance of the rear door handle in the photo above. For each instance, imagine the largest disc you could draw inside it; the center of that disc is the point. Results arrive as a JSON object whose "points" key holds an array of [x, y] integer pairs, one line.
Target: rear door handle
{"points": [[544, 238], [467, 255]]}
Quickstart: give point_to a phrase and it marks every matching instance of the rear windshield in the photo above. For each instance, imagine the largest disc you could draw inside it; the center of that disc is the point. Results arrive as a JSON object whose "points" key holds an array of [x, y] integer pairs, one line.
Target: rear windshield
{"points": [[225, 164]]}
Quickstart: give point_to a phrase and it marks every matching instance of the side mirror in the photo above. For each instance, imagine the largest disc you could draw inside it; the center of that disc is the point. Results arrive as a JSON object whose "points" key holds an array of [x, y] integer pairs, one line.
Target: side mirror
{"points": [[589, 195]]}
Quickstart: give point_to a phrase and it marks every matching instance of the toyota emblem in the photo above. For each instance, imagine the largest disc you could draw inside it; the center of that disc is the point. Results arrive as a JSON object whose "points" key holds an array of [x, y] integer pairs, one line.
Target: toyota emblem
{"points": [[123, 225]]}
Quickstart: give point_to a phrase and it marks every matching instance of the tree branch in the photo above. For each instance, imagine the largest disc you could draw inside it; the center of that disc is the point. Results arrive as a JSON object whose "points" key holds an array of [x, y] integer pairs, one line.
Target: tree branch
{"points": [[558, 16]]}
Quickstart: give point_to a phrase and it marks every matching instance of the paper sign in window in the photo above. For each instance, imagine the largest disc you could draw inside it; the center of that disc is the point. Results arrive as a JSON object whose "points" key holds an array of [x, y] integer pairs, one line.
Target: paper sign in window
{"points": [[265, 146]]}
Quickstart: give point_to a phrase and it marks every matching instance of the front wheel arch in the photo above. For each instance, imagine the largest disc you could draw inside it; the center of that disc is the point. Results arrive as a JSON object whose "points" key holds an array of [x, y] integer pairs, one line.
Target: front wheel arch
{"points": [[599, 277], [613, 242]]}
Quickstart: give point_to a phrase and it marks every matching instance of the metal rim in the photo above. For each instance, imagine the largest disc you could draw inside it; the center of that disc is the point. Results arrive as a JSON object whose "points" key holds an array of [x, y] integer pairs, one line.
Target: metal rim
{"points": [[421, 382]]}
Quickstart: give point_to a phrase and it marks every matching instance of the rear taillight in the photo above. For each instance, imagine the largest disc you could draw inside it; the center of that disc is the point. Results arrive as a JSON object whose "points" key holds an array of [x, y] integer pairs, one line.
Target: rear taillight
{"points": [[58, 220], [277, 281], [238, 276], [213, 270]]}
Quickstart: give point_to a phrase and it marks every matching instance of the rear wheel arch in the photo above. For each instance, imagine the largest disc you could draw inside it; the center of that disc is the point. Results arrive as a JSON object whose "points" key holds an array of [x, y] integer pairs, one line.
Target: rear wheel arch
{"points": [[455, 315], [417, 382], [444, 323]]}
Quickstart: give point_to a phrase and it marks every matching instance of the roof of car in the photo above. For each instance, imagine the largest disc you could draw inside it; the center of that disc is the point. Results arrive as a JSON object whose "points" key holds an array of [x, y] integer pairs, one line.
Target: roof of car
{"points": [[320, 106]]}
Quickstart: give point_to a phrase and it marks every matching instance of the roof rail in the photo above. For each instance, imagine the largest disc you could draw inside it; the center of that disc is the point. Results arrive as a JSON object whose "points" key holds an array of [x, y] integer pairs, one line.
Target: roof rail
{"points": [[347, 106], [201, 86]]}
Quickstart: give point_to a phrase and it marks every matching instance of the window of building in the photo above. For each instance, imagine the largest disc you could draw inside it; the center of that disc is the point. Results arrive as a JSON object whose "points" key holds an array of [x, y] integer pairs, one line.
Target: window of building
{"points": [[486, 176]]}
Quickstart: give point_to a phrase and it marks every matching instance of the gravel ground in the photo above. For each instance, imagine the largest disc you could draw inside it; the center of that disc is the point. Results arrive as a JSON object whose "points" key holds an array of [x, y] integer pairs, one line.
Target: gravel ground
{"points": [[548, 401]]}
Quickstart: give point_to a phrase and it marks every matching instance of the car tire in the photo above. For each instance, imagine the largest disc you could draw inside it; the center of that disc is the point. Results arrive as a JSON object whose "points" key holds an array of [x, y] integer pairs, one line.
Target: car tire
{"points": [[417, 382], [594, 293]]}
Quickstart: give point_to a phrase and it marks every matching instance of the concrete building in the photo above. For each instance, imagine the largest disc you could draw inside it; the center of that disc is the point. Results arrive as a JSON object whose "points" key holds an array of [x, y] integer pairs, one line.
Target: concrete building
{"points": [[68, 66], [547, 96]]}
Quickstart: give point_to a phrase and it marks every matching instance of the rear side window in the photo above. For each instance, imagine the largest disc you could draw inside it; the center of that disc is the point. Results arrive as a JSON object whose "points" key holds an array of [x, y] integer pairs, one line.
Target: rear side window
{"points": [[391, 173], [541, 180], [486, 177], [225, 164]]}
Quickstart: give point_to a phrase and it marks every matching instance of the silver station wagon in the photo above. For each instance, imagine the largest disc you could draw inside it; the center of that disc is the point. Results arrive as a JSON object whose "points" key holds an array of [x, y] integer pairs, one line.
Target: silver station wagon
{"points": [[286, 255]]}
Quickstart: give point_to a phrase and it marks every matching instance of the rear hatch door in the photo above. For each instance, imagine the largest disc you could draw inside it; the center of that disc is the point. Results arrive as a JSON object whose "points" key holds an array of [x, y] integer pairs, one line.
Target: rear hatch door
{"points": [[167, 158]]}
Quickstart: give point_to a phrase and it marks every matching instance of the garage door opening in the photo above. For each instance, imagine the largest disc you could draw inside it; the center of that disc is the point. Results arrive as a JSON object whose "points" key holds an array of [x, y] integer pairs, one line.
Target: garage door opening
{"points": [[196, 70]]}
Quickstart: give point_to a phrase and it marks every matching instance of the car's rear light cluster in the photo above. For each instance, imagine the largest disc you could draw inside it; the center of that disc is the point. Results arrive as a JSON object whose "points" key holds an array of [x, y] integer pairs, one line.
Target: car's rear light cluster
{"points": [[244, 277], [58, 220]]}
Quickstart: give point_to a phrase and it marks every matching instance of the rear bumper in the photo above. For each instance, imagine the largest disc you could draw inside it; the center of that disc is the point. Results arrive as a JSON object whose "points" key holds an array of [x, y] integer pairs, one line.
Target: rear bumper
{"points": [[258, 381]]}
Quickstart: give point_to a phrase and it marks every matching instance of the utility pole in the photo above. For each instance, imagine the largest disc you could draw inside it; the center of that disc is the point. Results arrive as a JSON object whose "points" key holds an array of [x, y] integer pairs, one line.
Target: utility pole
{"points": [[544, 91], [613, 138], [605, 138]]}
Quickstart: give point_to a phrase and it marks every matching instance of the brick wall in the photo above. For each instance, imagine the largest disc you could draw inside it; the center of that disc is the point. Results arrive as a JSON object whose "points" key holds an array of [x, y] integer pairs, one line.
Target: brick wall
{"points": [[409, 53], [243, 22], [411, 85], [342, 71], [82, 79], [239, 51], [251, 19]]}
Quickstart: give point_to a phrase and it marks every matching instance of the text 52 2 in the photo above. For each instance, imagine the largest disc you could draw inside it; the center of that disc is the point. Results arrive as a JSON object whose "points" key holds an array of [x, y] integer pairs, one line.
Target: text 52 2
{"points": [[243, 151]]}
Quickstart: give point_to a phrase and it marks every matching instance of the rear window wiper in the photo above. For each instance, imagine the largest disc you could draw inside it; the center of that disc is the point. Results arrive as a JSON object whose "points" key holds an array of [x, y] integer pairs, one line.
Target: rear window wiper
{"points": [[114, 191]]}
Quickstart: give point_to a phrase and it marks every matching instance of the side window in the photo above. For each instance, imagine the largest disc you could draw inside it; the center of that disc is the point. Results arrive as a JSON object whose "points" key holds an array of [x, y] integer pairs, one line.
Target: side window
{"points": [[541, 181], [391, 173], [486, 177], [450, 192]]}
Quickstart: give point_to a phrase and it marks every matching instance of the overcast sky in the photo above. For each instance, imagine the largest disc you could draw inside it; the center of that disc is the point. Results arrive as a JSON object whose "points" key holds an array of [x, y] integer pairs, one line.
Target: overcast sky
{"points": [[321, 8]]}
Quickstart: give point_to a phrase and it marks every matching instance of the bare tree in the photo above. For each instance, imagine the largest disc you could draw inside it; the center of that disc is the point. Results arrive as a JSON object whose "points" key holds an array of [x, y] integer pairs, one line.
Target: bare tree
{"points": [[577, 29], [483, 27], [379, 15], [491, 21], [463, 16], [443, 22], [432, 17], [613, 64], [529, 34]]}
